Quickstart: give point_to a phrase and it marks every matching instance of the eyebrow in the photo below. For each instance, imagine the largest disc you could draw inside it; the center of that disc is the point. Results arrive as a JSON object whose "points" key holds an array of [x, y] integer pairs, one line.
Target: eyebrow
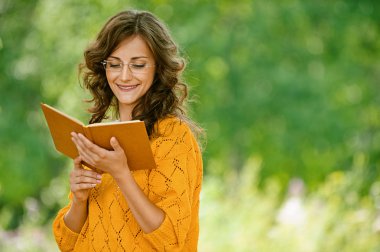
{"points": [[133, 58]]}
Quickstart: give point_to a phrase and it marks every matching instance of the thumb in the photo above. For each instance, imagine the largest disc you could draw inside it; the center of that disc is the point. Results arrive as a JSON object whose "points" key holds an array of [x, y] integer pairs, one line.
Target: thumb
{"points": [[115, 144], [78, 162]]}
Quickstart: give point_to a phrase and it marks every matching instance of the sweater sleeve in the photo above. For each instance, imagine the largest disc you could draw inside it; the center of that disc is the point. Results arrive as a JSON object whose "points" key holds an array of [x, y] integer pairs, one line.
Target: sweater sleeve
{"points": [[172, 185], [64, 236]]}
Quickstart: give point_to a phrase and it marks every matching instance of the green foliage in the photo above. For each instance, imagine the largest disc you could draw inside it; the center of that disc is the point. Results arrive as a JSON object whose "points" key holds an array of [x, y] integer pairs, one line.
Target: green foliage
{"points": [[239, 216], [295, 83], [26, 163], [236, 215]]}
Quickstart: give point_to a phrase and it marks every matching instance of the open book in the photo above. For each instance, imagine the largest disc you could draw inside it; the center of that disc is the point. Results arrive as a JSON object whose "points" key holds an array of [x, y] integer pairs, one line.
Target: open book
{"points": [[131, 135]]}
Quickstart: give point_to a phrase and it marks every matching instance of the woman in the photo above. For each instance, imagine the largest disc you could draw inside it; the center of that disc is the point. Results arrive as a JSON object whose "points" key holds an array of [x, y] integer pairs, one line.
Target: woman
{"points": [[134, 71]]}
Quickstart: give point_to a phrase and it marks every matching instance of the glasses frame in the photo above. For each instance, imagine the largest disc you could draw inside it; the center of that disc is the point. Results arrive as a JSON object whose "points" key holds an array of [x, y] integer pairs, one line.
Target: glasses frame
{"points": [[104, 63]]}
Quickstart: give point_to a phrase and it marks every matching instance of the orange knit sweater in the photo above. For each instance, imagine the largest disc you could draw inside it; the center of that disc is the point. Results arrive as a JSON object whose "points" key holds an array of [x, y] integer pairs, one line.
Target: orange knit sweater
{"points": [[174, 186]]}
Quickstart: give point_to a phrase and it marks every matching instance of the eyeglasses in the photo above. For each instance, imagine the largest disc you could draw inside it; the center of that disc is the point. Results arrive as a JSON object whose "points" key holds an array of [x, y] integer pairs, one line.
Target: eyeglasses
{"points": [[116, 66]]}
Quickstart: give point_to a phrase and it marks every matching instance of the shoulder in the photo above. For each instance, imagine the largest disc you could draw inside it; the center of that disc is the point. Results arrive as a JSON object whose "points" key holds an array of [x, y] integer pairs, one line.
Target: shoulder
{"points": [[173, 133], [176, 147], [171, 127]]}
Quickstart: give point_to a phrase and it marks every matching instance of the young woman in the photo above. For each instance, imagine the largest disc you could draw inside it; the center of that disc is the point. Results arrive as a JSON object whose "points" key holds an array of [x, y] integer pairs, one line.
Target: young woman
{"points": [[134, 71]]}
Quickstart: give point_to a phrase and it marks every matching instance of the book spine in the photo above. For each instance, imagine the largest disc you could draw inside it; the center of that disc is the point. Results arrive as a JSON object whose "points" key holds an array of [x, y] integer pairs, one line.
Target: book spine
{"points": [[87, 133]]}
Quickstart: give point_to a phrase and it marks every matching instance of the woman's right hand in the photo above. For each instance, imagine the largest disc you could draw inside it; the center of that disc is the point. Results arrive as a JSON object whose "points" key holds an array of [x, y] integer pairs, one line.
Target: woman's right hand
{"points": [[81, 181]]}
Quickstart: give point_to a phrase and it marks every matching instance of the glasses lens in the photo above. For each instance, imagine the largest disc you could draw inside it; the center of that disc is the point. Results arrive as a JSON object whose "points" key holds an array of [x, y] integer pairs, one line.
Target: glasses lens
{"points": [[114, 65], [138, 68]]}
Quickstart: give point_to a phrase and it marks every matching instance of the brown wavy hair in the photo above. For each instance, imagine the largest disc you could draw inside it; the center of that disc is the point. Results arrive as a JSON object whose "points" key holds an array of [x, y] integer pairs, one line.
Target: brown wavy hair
{"points": [[165, 98]]}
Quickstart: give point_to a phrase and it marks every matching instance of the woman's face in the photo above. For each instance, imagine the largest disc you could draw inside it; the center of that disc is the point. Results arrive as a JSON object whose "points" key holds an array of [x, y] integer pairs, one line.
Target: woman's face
{"points": [[130, 71]]}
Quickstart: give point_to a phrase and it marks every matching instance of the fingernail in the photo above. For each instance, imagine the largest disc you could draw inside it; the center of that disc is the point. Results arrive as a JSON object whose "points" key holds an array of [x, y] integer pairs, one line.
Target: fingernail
{"points": [[99, 176]]}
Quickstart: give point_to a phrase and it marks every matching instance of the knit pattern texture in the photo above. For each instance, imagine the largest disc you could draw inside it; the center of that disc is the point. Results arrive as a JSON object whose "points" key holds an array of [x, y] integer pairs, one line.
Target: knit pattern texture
{"points": [[174, 186]]}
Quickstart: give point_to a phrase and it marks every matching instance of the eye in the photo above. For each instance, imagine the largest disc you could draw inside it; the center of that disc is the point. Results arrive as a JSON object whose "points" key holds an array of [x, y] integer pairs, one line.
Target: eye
{"points": [[112, 64], [137, 65]]}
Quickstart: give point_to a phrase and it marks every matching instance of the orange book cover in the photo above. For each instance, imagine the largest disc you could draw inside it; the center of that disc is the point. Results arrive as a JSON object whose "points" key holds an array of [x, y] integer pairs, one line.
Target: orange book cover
{"points": [[132, 137]]}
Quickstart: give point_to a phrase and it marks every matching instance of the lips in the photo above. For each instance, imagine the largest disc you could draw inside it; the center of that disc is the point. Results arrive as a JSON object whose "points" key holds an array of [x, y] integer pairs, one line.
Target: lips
{"points": [[127, 88]]}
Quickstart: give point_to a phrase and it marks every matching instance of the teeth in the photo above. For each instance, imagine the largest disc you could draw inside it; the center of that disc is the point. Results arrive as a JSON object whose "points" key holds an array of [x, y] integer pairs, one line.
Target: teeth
{"points": [[127, 87]]}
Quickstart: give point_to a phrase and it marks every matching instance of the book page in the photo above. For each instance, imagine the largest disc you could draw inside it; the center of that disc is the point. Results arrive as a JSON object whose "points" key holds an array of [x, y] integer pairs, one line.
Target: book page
{"points": [[111, 123]]}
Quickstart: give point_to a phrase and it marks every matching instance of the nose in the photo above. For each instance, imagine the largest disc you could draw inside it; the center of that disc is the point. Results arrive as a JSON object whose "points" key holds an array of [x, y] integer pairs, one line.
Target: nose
{"points": [[125, 73]]}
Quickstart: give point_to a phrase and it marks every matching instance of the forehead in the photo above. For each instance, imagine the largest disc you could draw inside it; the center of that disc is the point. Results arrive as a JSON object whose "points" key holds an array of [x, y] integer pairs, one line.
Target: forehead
{"points": [[132, 47]]}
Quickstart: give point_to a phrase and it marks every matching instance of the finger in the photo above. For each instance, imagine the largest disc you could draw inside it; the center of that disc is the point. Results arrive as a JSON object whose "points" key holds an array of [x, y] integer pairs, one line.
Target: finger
{"points": [[89, 145], [78, 145], [77, 141], [88, 173], [79, 171], [84, 177], [86, 180], [78, 187], [115, 145], [78, 163], [83, 151], [90, 151], [74, 138]]}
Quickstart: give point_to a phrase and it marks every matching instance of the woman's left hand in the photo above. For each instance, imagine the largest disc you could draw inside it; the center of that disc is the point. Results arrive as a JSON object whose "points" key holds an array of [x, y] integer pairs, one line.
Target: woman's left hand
{"points": [[114, 161]]}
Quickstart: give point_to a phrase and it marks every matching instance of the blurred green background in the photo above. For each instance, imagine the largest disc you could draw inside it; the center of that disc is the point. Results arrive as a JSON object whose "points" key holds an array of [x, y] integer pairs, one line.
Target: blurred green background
{"points": [[288, 92]]}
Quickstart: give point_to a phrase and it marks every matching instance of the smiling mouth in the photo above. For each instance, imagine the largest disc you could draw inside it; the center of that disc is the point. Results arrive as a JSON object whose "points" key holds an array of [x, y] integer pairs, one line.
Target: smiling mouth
{"points": [[126, 88]]}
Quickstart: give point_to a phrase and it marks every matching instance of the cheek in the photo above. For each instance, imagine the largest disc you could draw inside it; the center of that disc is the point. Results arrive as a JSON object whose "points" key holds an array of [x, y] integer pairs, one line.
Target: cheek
{"points": [[108, 78], [152, 78], [149, 82]]}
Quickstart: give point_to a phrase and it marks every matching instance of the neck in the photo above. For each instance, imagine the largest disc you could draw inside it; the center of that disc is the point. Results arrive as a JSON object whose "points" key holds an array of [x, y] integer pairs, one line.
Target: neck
{"points": [[125, 112]]}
